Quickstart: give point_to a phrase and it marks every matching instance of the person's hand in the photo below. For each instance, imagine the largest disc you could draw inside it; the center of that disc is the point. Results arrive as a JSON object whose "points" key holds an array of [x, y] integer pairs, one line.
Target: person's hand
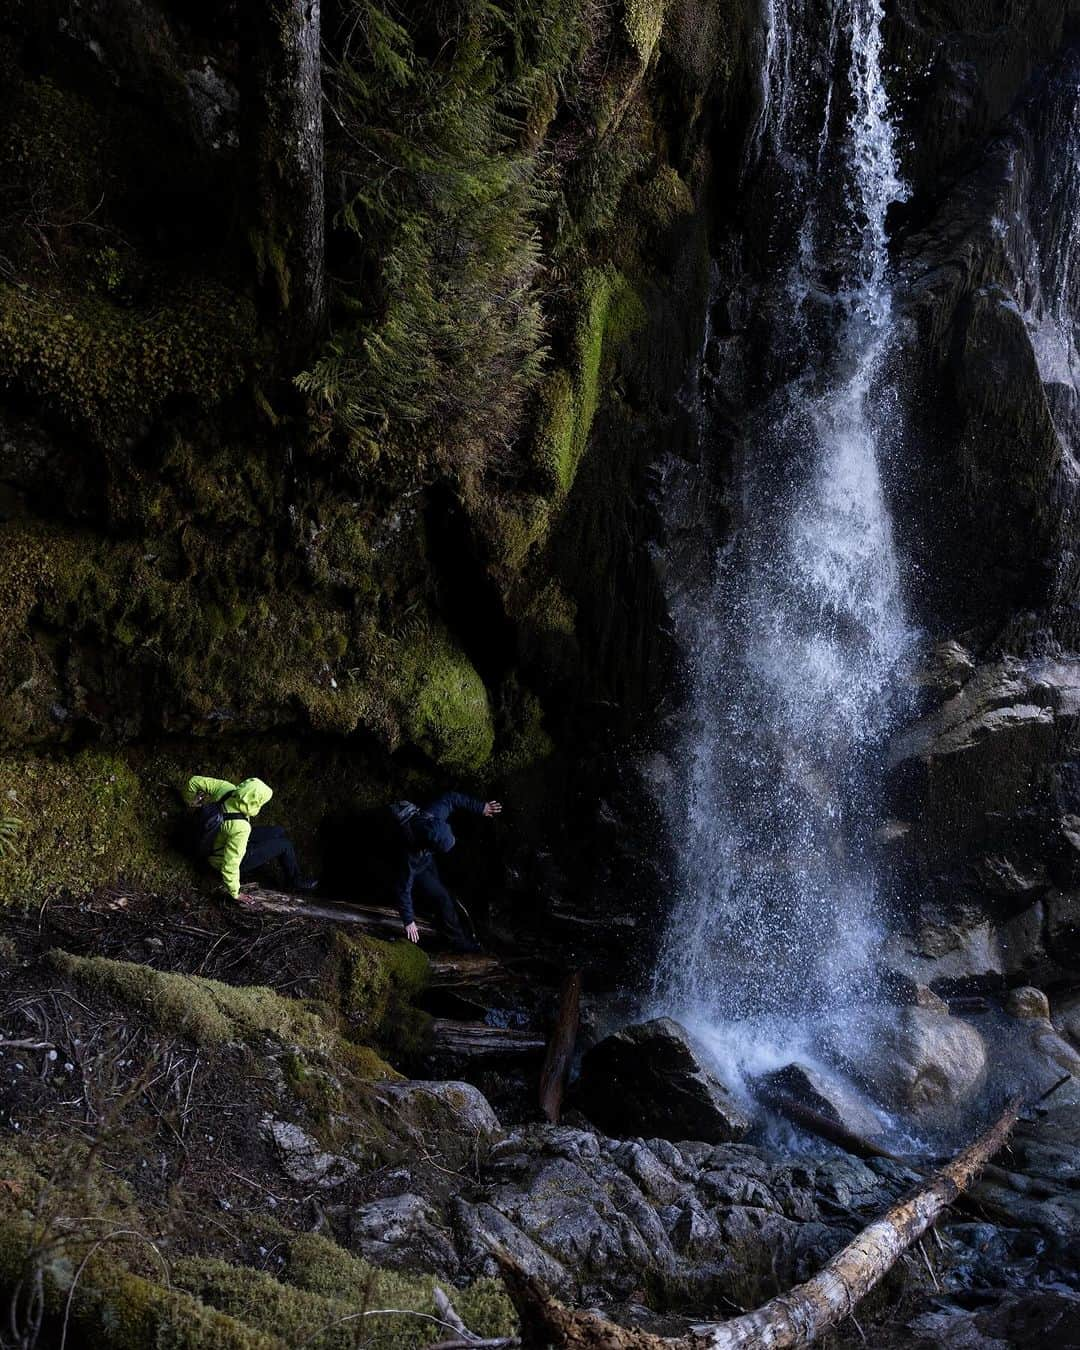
{"points": [[412, 932], [493, 809]]}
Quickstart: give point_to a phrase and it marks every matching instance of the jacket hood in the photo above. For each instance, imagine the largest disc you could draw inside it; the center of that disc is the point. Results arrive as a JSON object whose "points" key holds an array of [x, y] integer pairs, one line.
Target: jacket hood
{"points": [[252, 795]]}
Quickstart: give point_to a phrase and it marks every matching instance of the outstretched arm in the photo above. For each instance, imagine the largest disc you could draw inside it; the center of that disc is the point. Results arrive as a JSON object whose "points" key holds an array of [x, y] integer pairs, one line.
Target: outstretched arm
{"points": [[442, 806]]}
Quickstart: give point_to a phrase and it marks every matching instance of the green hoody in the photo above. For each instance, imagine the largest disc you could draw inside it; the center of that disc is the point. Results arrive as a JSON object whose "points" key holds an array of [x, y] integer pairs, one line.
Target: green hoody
{"points": [[248, 798]]}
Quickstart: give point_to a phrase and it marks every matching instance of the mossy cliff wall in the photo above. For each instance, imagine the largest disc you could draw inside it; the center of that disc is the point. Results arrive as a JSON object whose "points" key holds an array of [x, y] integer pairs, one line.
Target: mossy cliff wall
{"points": [[424, 537]]}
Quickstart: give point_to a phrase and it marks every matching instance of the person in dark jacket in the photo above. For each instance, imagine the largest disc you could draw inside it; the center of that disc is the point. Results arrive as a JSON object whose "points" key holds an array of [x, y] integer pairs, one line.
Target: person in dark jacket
{"points": [[427, 833]]}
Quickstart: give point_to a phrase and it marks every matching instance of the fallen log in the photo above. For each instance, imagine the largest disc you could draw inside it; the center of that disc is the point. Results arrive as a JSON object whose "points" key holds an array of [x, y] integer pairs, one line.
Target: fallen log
{"points": [[560, 1049], [796, 1318], [477, 1040], [449, 969], [820, 1124], [376, 919]]}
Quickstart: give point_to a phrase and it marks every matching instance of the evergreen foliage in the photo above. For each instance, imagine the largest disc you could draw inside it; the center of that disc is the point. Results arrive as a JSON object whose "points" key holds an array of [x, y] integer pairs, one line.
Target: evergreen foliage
{"points": [[439, 315]]}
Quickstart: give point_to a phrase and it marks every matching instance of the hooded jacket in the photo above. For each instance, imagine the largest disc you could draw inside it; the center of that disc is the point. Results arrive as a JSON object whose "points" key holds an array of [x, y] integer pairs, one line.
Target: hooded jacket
{"points": [[248, 798], [429, 832]]}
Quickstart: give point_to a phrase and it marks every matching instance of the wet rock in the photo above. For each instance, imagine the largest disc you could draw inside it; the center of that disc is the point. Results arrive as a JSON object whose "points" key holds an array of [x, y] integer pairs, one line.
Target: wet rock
{"points": [[1066, 1018], [959, 953], [481, 1230], [979, 760], [923, 1061], [1018, 1321], [403, 1232], [1063, 928], [823, 1093], [649, 1079], [302, 1159]]}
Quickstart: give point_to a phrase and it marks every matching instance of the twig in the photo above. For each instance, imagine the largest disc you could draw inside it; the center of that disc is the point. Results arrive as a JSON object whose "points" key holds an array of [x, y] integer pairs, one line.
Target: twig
{"points": [[26, 1045]]}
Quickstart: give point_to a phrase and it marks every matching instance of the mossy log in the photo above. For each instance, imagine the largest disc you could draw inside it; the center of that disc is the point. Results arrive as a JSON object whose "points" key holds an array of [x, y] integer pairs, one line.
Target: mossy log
{"points": [[796, 1318]]}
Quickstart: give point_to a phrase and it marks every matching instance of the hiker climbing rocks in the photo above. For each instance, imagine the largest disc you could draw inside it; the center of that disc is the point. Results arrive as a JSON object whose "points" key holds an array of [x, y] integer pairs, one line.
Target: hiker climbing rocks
{"points": [[423, 833], [222, 832]]}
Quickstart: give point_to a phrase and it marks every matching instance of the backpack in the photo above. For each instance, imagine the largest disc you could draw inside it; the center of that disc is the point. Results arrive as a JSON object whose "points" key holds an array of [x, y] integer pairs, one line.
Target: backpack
{"points": [[402, 813], [203, 825]]}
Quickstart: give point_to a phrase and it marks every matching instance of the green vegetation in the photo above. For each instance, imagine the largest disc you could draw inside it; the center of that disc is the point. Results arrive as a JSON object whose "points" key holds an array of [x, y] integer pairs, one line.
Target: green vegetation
{"points": [[444, 704], [609, 313], [644, 20], [87, 823], [105, 368], [209, 1012], [10, 829]]}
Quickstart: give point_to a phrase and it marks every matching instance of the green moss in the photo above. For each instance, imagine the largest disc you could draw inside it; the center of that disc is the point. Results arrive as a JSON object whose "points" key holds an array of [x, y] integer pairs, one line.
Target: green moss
{"points": [[372, 975], [322, 1267], [114, 1308], [665, 198], [209, 1012], [443, 703], [87, 823], [643, 21], [610, 311], [105, 368]]}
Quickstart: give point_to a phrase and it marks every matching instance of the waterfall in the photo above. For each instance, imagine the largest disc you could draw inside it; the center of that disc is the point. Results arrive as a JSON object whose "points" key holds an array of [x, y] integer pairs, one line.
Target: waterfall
{"points": [[796, 646]]}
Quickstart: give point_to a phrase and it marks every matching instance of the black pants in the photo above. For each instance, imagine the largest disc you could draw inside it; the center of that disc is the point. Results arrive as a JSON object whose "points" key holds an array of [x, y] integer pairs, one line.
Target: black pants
{"points": [[270, 843], [428, 888]]}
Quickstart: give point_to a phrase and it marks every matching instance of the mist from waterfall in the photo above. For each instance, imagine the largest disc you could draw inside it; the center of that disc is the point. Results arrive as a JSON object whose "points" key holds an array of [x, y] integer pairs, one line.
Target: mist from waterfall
{"points": [[796, 648]]}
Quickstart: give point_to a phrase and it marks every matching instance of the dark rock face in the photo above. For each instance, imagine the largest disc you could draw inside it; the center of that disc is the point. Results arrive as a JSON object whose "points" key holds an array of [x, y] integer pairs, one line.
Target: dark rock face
{"points": [[649, 1080]]}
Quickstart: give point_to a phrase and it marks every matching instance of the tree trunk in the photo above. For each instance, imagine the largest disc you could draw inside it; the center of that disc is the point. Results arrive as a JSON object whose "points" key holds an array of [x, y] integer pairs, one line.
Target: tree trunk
{"points": [[560, 1049], [283, 147], [817, 1123], [796, 1318]]}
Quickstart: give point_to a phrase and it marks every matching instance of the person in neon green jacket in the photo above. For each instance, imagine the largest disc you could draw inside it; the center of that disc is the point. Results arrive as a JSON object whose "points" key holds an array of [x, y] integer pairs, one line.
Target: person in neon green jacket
{"points": [[241, 848]]}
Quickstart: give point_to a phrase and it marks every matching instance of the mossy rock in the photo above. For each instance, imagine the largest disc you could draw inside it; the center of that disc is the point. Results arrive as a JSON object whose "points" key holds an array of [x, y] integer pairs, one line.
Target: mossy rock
{"points": [[643, 22], [376, 978], [320, 1266], [112, 1307], [610, 312], [444, 704]]}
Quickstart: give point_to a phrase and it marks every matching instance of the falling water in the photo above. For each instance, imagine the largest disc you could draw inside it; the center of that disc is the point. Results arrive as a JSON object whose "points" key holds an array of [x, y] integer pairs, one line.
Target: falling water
{"points": [[798, 643]]}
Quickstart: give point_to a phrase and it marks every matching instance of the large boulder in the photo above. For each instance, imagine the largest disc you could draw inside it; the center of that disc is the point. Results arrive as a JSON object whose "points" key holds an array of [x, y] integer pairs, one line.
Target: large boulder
{"points": [[922, 1062], [650, 1080]]}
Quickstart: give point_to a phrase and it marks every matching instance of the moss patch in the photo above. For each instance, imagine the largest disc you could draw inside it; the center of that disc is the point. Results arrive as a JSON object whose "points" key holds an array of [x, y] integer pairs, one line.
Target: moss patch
{"points": [[610, 312], [322, 1267], [445, 707], [86, 823], [209, 1012], [644, 22], [105, 368]]}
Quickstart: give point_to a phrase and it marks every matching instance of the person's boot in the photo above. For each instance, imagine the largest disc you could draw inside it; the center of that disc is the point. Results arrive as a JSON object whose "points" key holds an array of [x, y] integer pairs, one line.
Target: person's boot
{"points": [[307, 884]]}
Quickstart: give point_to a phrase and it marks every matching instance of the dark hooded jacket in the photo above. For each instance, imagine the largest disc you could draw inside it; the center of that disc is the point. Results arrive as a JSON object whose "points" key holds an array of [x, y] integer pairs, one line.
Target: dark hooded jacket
{"points": [[428, 833]]}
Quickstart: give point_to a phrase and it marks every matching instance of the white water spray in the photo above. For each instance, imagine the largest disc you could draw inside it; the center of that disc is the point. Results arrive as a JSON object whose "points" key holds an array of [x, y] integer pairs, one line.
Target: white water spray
{"points": [[799, 644]]}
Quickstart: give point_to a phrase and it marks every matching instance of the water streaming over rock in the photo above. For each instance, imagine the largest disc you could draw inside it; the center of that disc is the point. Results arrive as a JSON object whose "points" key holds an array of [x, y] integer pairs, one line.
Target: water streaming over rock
{"points": [[796, 647]]}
